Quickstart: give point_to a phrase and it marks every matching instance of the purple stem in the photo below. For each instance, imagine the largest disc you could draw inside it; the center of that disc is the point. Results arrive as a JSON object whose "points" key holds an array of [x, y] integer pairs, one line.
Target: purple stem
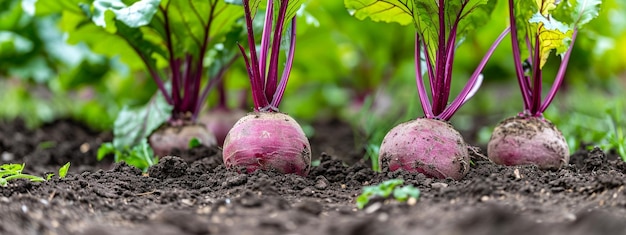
{"points": [[217, 80], [462, 97], [537, 77], [196, 99], [174, 63], [560, 75], [526, 79], [421, 89], [429, 69], [272, 75], [278, 95], [439, 101], [519, 72], [187, 86], [265, 40], [450, 57], [256, 80], [221, 96]]}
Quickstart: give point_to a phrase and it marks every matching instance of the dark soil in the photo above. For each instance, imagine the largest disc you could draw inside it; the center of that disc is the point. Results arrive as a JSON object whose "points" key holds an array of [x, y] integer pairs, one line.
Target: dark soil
{"points": [[193, 193]]}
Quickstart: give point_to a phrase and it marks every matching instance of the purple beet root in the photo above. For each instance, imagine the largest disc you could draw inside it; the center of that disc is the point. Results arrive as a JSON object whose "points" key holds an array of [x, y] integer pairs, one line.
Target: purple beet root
{"points": [[267, 141], [427, 146], [528, 141], [167, 138]]}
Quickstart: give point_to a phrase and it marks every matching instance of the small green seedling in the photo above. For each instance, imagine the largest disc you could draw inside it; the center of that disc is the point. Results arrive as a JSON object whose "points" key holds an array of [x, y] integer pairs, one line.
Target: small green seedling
{"points": [[62, 172], [194, 143], [140, 156], [13, 171], [387, 189]]}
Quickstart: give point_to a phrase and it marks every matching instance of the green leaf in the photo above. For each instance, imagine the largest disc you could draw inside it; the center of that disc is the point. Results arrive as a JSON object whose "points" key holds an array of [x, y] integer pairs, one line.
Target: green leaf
{"points": [[578, 12], [10, 172], [383, 189], [552, 36], [11, 168], [141, 156], [362, 200], [466, 15], [551, 33], [398, 11], [14, 45], [189, 21], [292, 8], [105, 149], [403, 194], [136, 15], [63, 170], [194, 142], [133, 126]]}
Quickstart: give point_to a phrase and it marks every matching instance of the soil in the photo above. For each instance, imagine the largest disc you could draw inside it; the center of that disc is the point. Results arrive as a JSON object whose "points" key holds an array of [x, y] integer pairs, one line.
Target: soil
{"points": [[192, 193]]}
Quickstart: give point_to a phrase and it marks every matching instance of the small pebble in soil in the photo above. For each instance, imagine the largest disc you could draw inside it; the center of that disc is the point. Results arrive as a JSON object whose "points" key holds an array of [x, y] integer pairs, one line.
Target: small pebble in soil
{"points": [[373, 207], [7, 157], [321, 183], [308, 191], [517, 174], [411, 201]]}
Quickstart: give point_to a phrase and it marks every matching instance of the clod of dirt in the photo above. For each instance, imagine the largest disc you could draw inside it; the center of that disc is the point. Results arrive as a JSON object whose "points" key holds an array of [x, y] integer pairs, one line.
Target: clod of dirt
{"points": [[168, 167], [590, 161]]}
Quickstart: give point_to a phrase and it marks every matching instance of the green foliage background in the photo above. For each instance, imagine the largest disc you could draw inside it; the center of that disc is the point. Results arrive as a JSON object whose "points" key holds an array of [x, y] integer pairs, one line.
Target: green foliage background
{"points": [[358, 71]]}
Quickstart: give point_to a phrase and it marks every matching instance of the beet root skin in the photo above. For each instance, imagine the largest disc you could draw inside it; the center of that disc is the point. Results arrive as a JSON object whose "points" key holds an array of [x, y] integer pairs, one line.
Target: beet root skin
{"points": [[528, 141], [167, 138], [427, 146], [267, 141]]}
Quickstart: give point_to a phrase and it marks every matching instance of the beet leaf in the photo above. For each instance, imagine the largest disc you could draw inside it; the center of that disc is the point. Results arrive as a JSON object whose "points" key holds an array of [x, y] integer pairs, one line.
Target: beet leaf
{"points": [[440, 26], [172, 39], [544, 26]]}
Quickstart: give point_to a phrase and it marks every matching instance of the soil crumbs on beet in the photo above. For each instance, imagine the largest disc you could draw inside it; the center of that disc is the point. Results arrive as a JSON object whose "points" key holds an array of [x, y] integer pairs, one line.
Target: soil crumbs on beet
{"points": [[192, 193]]}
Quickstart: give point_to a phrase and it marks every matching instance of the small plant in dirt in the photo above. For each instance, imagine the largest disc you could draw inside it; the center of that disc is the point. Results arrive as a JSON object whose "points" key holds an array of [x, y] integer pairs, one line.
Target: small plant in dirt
{"points": [[430, 145], [542, 27], [390, 188], [267, 139], [140, 156], [10, 172], [172, 40]]}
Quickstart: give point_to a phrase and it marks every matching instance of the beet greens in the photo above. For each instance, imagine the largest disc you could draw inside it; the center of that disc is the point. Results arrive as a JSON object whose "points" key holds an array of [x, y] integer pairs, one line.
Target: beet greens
{"points": [[267, 139], [440, 25], [544, 26], [430, 145], [176, 33], [541, 26]]}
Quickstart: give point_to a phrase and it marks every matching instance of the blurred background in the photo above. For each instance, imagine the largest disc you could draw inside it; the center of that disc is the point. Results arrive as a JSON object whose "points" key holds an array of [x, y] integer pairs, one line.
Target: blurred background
{"points": [[360, 73]]}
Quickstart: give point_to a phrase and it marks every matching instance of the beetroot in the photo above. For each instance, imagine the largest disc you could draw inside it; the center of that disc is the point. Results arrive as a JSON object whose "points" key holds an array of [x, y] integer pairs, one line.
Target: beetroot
{"points": [[528, 140], [169, 137], [267, 141], [429, 146]]}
